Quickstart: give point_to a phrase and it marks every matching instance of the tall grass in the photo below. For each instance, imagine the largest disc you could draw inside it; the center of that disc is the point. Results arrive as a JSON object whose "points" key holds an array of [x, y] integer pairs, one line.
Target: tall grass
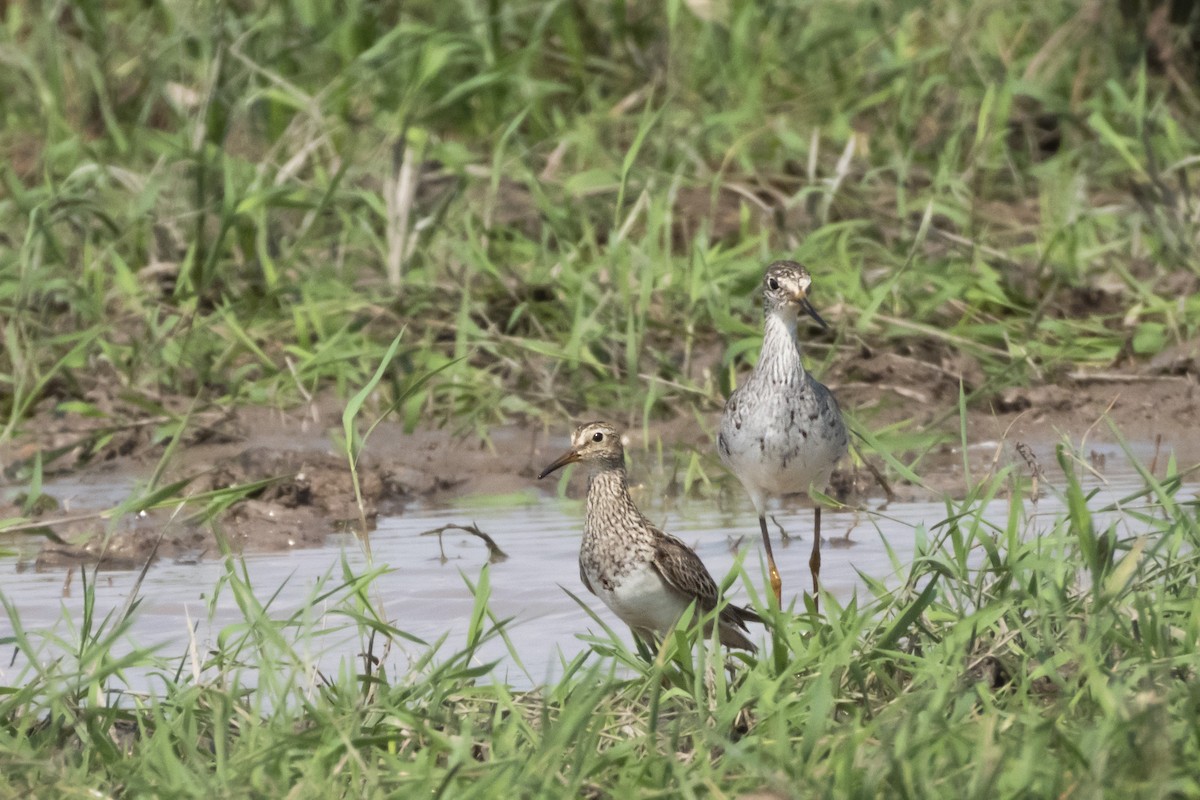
{"points": [[248, 203], [1019, 653]]}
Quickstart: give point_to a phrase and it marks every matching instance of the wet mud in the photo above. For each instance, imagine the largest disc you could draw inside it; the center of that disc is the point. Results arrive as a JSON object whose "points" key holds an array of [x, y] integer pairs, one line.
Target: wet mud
{"points": [[297, 488]]}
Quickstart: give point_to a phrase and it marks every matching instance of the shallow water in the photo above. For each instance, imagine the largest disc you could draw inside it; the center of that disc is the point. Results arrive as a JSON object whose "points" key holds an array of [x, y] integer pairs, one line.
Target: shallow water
{"points": [[428, 597]]}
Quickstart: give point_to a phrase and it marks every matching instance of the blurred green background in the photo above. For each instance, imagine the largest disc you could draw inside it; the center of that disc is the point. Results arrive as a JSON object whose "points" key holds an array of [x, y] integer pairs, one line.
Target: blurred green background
{"points": [[246, 202]]}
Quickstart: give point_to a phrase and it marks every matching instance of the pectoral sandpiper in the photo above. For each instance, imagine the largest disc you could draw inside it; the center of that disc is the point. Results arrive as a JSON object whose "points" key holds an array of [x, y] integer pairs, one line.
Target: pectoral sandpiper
{"points": [[648, 578], [782, 431]]}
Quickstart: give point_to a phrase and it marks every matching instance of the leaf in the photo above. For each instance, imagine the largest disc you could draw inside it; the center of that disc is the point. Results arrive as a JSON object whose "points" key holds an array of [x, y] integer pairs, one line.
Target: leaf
{"points": [[1121, 574], [910, 615], [356, 402], [1149, 338]]}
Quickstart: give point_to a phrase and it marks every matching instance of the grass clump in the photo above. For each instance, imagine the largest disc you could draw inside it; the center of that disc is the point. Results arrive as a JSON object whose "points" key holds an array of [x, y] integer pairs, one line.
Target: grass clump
{"points": [[247, 203], [1049, 653]]}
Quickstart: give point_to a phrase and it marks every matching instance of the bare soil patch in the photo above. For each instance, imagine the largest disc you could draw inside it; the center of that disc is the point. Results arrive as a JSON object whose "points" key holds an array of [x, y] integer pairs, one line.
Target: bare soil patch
{"points": [[308, 491]]}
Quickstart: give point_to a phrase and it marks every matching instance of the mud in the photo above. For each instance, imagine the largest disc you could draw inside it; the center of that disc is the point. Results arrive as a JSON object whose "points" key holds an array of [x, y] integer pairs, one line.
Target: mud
{"points": [[302, 489]]}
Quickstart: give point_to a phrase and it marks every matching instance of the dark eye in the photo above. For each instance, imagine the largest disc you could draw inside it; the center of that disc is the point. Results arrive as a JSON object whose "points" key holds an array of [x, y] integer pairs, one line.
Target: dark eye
{"points": [[597, 437], [773, 284]]}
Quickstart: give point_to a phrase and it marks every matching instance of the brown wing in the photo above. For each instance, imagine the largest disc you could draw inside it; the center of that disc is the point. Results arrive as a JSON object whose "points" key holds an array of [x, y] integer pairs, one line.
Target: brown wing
{"points": [[583, 577], [683, 571]]}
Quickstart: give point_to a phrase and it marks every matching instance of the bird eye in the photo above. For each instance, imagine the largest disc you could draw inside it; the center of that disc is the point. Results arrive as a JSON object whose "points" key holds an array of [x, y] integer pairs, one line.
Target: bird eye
{"points": [[597, 437], [773, 284]]}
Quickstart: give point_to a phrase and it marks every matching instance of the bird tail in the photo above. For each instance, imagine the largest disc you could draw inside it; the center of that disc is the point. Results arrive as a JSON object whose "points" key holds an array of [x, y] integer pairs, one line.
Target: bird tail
{"points": [[740, 615], [733, 628]]}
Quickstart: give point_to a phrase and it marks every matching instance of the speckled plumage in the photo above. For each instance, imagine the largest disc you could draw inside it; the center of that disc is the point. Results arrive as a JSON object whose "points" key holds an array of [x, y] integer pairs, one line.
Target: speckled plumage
{"points": [[782, 431], [645, 576]]}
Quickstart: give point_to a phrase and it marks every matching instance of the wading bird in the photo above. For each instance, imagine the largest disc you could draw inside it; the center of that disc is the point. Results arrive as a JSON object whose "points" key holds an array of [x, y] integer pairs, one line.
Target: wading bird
{"points": [[647, 577], [782, 431]]}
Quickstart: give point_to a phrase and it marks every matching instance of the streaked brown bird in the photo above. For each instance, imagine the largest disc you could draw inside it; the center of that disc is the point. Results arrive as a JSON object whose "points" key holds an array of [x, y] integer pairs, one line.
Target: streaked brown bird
{"points": [[646, 577]]}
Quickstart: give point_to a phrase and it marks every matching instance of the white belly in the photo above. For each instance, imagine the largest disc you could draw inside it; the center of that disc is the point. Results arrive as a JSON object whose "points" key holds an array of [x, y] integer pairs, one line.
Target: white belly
{"points": [[642, 599], [782, 470]]}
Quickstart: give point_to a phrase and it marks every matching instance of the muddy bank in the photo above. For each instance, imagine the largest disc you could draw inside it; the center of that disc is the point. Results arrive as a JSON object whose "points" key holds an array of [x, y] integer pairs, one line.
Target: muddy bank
{"points": [[267, 480]]}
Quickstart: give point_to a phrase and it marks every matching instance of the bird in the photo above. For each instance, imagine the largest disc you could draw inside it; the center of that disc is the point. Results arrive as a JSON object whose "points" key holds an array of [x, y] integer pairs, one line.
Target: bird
{"points": [[646, 577], [782, 431]]}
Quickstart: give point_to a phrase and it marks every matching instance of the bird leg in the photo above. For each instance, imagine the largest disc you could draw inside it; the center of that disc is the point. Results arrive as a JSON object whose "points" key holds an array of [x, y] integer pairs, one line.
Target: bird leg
{"points": [[814, 561], [772, 570]]}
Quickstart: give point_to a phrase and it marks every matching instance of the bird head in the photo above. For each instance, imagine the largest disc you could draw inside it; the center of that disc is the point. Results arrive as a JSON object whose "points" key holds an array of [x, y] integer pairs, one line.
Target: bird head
{"points": [[593, 443], [785, 291]]}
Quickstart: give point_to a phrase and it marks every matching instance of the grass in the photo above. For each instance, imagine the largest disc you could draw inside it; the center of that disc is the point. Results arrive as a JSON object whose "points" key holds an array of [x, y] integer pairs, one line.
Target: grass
{"points": [[246, 206], [1019, 653], [559, 207]]}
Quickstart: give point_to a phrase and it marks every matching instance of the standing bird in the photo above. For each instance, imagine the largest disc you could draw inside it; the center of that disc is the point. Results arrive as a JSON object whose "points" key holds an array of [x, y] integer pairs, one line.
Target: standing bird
{"points": [[647, 577], [782, 431]]}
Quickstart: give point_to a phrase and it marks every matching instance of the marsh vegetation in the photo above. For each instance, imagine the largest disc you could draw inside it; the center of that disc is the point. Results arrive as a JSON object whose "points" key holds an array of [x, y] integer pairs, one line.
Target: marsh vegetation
{"points": [[481, 218]]}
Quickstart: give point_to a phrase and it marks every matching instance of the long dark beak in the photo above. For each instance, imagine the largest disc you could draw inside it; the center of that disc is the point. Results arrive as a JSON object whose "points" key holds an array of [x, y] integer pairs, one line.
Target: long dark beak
{"points": [[812, 312], [569, 457]]}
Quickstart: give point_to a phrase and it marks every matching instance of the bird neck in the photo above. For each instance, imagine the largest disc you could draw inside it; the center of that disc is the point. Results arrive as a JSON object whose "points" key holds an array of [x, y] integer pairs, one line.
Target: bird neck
{"points": [[608, 494], [781, 349]]}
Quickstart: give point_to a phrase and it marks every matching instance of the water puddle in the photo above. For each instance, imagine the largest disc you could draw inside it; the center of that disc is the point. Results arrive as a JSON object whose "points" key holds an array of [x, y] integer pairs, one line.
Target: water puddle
{"points": [[426, 595]]}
